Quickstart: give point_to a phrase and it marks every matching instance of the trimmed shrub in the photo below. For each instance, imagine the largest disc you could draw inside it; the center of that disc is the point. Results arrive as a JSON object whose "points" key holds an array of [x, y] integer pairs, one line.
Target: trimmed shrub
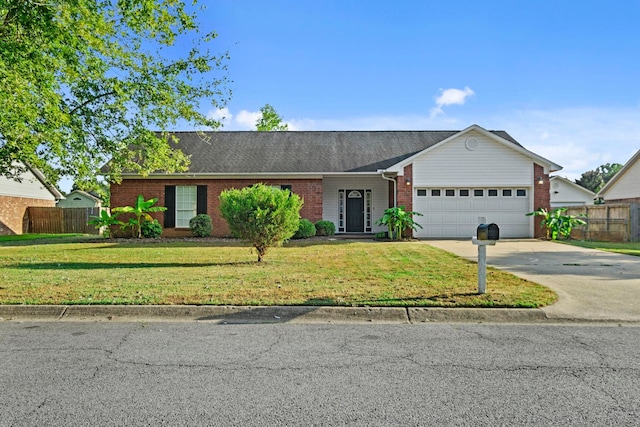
{"points": [[201, 225], [261, 215], [306, 229], [325, 228], [151, 229]]}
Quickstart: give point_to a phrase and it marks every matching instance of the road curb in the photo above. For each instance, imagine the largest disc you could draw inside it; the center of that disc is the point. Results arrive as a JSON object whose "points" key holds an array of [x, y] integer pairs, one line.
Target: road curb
{"points": [[476, 315], [269, 314], [219, 314]]}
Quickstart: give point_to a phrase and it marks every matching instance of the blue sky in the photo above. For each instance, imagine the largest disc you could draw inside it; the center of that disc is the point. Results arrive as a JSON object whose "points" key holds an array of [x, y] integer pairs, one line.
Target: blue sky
{"points": [[562, 77]]}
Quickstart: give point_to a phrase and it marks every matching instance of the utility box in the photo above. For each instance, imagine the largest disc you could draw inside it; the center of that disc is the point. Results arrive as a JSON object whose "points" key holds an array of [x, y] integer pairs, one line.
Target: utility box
{"points": [[488, 232]]}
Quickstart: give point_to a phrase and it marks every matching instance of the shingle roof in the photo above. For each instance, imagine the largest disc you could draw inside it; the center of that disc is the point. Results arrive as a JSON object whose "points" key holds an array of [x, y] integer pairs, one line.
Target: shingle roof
{"points": [[305, 151]]}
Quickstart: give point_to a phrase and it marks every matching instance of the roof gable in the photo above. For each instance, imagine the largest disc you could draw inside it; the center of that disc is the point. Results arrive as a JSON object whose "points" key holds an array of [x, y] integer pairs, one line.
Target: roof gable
{"points": [[630, 171], [498, 136], [573, 185], [30, 184]]}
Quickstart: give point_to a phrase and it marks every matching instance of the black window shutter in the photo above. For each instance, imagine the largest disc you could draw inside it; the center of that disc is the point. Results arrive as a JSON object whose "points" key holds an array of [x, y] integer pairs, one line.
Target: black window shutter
{"points": [[202, 200], [170, 204]]}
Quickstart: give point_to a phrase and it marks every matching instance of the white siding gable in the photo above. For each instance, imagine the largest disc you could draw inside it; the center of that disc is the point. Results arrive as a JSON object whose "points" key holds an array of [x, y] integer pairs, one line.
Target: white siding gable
{"points": [[564, 193], [627, 185], [30, 187], [472, 159]]}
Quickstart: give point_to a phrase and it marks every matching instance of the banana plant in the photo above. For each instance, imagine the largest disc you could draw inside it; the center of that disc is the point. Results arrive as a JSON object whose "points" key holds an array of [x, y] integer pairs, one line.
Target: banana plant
{"points": [[398, 220], [104, 221], [557, 224], [141, 211]]}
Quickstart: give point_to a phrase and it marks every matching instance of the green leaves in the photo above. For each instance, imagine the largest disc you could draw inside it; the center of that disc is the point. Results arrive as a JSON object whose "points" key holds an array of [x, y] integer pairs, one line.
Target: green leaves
{"points": [[83, 83], [398, 220], [141, 211], [105, 221], [270, 120], [557, 224], [261, 215]]}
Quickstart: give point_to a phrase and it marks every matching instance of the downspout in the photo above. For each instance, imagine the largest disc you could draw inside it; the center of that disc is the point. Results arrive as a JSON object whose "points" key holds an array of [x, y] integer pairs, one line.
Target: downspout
{"points": [[395, 189]]}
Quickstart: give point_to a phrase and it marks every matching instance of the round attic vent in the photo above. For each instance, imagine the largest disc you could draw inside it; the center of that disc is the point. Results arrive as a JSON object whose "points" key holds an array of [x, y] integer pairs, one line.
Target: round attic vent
{"points": [[471, 143]]}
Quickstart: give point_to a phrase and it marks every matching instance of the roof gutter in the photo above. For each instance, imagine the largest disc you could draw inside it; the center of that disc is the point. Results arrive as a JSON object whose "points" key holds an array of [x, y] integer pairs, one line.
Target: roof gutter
{"points": [[395, 188]]}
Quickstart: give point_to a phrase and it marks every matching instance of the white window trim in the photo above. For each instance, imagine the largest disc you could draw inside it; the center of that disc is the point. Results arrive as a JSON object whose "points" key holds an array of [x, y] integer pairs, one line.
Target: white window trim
{"points": [[178, 210]]}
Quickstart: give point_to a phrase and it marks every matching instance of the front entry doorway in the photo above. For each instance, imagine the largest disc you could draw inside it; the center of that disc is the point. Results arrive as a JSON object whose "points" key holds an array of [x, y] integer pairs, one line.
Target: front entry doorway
{"points": [[355, 211]]}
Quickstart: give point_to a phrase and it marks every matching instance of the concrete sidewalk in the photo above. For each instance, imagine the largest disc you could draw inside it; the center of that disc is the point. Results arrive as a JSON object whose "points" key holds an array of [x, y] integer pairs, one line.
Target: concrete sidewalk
{"points": [[591, 284]]}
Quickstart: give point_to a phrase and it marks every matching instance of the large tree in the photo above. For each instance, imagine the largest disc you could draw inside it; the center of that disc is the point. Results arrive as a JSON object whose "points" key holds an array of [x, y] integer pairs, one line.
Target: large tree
{"points": [[594, 180], [83, 82], [270, 120]]}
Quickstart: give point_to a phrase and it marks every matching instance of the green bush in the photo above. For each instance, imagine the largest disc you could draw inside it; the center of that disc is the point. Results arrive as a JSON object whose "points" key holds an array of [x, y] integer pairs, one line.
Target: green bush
{"points": [[151, 229], [325, 228], [201, 225], [306, 229], [262, 215]]}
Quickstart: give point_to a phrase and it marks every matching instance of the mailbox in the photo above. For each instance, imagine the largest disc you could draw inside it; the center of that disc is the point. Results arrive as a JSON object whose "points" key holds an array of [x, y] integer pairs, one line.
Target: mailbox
{"points": [[488, 232]]}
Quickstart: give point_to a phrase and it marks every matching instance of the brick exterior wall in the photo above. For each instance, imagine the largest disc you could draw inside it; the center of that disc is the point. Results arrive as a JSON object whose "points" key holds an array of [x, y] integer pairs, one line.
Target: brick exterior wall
{"points": [[13, 211], [125, 194], [541, 198], [405, 192]]}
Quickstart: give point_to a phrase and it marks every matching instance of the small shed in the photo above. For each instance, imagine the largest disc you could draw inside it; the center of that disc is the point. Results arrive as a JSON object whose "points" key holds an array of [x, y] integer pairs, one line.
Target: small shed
{"points": [[80, 199]]}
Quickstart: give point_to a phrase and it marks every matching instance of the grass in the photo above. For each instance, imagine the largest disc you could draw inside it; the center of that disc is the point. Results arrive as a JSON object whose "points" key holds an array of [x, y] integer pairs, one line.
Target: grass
{"points": [[313, 272], [30, 237], [622, 248]]}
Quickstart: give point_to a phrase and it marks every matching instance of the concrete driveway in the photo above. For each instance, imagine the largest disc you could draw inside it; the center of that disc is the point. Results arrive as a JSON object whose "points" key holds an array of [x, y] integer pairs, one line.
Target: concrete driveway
{"points": [[591, 284]]}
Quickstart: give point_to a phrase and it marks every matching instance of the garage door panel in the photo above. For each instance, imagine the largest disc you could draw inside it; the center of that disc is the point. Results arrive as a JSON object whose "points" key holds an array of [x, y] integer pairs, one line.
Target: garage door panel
{"points": [[457, 217]]}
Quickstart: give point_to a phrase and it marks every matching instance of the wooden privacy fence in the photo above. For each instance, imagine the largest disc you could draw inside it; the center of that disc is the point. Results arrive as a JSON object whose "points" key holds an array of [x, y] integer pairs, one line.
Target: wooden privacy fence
{"points": [[608, 223], [60, 220]]}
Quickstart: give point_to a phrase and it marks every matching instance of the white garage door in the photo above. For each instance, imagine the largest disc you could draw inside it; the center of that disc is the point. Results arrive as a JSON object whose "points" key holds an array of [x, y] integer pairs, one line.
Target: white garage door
{"points": [[455, 212]]}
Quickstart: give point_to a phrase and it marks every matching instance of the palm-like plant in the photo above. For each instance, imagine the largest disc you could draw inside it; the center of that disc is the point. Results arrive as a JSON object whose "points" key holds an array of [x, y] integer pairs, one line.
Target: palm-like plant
{"points": [[105, 221], [141, 210], [556, 222], [398, 220]]}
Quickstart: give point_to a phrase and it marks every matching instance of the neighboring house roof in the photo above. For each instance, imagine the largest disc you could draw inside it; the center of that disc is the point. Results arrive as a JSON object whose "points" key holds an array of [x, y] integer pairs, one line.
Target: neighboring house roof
{"points": [[568, 191], [629, 168], [17, 189], [84, 194], [251, 152], [52, 188]]}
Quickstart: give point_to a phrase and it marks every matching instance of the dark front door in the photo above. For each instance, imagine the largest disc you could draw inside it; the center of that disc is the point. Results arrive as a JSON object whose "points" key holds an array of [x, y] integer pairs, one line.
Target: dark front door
{"points": [[355, 211]]}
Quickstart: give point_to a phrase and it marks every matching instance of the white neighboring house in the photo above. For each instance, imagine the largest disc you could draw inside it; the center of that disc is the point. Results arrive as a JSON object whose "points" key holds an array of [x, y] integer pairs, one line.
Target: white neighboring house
{"points": [[567, 193], [32, 189], [624, 187], [80, 199]]}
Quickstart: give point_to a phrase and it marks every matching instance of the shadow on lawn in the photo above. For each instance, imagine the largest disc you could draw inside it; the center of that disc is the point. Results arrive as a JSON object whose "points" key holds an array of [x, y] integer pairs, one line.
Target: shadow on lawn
{"points": [[116, 265]]}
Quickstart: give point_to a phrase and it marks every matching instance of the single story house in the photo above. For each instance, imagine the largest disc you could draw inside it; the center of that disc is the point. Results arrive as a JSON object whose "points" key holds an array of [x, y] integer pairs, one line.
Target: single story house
{"points": [[455, 179], [566, 193], [31, 189], [624, 187], [80, 199]]}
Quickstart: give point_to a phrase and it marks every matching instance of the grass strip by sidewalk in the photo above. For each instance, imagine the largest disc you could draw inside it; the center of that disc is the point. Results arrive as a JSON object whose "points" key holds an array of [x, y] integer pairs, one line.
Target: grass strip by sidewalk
{"points": [[315, 272], [629, 248]]}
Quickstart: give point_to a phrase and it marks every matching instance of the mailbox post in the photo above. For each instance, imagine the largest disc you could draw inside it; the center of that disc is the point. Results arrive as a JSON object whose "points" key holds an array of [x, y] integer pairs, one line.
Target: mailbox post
{"points": [[486, 234]]}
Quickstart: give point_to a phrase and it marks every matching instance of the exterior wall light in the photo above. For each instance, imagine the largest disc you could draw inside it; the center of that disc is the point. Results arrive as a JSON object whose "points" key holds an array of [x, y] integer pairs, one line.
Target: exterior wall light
{"points": [[540, 180]]}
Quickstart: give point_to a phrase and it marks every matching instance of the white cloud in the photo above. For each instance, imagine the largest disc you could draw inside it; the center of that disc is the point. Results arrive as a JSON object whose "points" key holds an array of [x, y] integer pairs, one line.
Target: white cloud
{"points": [[579, 139], [247, 119], [223, 115], [451, 97]]}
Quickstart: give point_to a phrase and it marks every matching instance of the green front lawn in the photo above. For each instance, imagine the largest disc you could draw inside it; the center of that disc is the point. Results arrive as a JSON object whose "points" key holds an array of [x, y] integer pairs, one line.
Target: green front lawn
{"points": [[623, 248], [28, 237], [310, 272]]}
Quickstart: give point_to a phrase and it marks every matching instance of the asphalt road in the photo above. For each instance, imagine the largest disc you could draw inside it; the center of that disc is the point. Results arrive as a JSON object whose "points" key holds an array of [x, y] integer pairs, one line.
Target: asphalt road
{"points": [[200, 373]]}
